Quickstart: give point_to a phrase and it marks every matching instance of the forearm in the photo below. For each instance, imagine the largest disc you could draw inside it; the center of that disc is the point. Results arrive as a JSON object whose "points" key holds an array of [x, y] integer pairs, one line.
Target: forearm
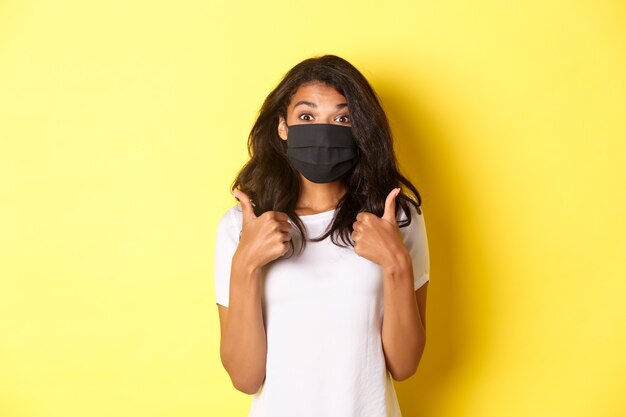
{"points": [[243, 348], [403, 334]]}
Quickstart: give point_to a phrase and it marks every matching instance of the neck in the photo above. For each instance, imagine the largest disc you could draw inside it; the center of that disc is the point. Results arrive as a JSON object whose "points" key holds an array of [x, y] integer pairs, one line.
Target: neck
{"points": [[317, 198]]}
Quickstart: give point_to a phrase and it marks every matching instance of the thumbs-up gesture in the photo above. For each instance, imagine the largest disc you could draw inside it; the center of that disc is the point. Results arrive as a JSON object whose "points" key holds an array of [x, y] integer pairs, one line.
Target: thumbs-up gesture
{"points": [[379, 238], [263, 238]]}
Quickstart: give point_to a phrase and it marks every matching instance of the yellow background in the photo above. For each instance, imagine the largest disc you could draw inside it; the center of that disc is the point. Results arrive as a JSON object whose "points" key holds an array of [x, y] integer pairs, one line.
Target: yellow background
{"points": [[122, 125]]}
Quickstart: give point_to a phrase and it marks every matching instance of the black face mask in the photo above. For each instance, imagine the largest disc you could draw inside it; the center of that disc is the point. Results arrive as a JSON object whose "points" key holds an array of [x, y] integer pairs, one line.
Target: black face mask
{"points": [[322, 152]]}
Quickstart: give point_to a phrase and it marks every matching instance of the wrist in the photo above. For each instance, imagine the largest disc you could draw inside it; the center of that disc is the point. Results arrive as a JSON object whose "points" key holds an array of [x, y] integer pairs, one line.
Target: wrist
{"points": [[399, 262], [244, 263]]}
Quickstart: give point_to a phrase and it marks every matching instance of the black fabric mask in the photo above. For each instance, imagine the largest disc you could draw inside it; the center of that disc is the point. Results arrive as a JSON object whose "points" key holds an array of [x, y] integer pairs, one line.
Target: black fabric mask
{"points": [[322, 152]]}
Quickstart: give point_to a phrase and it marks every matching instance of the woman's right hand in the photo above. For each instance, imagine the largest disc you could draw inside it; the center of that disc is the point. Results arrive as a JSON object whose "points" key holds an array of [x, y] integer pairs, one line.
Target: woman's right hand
{"points": [[263, 238]]}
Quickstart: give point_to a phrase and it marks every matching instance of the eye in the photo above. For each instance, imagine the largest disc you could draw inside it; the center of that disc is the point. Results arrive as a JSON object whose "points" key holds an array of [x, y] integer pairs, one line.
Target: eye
{"points": [[346, 119], [306, 115]]}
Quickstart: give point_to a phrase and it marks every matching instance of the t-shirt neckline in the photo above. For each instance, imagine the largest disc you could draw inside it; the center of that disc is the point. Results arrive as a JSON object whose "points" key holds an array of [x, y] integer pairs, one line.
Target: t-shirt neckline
{"points": [[318, 216]]}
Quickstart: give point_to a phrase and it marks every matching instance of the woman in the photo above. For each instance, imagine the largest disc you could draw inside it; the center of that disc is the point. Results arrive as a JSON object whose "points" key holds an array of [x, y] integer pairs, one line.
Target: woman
{"points": [[322, 234]]}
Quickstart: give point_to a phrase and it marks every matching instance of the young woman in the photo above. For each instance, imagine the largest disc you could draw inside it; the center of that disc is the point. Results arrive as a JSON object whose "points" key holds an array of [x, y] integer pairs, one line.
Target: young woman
{"points": [[321, 269]]}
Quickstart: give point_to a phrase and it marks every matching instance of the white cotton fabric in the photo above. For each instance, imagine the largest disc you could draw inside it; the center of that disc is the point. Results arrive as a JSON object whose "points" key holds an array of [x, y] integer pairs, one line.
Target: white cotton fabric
{"points": [[323, 312]]}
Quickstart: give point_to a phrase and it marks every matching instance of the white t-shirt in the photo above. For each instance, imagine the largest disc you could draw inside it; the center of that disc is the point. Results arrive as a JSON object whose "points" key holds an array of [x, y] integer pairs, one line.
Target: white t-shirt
{"points": [[323, 313]]}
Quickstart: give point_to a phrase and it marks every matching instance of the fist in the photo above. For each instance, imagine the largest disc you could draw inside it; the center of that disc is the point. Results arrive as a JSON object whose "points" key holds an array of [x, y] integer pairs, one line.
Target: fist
{"points": [[263, 238], [379, 238]]}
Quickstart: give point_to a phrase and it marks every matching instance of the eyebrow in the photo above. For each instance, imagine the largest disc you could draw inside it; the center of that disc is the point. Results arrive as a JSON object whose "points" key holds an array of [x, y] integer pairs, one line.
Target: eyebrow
{"points": [[311, 104]]}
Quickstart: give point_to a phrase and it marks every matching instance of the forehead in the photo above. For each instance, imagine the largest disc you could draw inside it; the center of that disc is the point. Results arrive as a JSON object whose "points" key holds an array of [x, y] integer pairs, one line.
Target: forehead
{"points": [[318, 93]]}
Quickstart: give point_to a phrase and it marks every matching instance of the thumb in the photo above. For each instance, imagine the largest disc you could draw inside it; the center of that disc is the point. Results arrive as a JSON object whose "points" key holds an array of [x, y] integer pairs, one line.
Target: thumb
{"points": [[246, 205], [390, 206]]}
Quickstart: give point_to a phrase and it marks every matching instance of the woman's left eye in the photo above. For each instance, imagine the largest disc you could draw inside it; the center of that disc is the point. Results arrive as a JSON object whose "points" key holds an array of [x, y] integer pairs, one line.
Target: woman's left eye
{"points": [[347, 118]]}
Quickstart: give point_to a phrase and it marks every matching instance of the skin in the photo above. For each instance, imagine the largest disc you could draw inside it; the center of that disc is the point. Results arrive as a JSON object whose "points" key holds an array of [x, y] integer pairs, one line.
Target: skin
{"points": [[243, 344]]}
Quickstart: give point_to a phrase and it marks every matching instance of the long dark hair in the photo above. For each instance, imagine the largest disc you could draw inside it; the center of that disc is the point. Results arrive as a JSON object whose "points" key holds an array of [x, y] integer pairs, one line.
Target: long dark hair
{"points": [[273, 184]]}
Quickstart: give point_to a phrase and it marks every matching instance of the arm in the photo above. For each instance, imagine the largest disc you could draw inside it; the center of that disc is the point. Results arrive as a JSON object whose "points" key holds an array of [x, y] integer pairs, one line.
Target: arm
{"points": [[404, 321], [239, 262], [398, 252], [243, 346]]}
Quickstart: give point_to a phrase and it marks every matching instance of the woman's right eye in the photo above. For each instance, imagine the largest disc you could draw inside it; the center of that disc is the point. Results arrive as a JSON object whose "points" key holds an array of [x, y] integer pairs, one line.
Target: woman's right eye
{"points": [[305, 114]]}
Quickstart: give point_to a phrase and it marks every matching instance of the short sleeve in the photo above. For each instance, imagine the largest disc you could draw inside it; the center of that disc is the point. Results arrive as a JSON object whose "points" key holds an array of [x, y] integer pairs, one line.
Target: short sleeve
{"points": [[227, 239], [416, 241]]}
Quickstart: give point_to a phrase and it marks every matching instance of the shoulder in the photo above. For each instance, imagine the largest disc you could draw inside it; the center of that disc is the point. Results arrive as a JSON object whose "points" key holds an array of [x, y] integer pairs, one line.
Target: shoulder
{"points": [[230, 221], [231, 215], [417, 219]]}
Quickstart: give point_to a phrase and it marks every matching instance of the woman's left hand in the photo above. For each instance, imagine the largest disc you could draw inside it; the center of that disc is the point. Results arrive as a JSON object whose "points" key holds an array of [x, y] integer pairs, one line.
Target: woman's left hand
{"points": [[379, 238]]}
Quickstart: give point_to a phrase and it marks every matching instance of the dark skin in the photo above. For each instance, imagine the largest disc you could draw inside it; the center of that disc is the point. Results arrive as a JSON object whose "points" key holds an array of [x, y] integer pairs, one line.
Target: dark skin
{"points": [[266, 237]]}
